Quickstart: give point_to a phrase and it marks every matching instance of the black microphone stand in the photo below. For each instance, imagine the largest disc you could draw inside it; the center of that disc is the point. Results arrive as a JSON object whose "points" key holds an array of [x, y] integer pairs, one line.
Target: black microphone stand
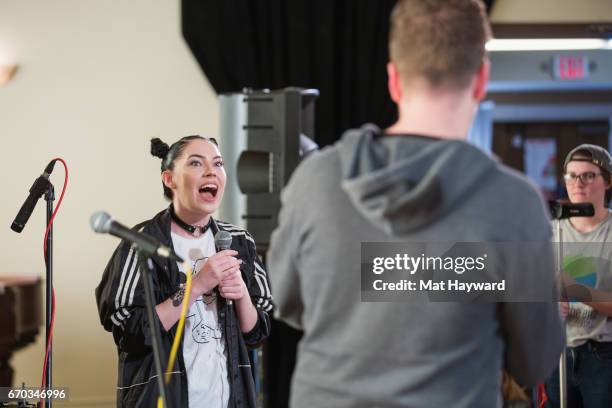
{"points": [[562, 359], [49, 198], [41, 186], [146, 267]]}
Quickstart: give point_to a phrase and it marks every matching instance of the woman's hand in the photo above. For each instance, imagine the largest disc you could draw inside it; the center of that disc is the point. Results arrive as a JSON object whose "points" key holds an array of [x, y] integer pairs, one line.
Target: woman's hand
{"points": [[216, 268], [232, 286]]}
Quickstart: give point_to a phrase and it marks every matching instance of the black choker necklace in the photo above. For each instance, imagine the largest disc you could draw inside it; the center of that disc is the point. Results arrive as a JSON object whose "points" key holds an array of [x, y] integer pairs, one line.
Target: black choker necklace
{"points": [[195, 230]]}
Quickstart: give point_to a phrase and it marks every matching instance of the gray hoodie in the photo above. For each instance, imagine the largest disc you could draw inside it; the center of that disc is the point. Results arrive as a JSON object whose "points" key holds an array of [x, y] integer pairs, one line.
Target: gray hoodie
{"points": [[413, 353]]}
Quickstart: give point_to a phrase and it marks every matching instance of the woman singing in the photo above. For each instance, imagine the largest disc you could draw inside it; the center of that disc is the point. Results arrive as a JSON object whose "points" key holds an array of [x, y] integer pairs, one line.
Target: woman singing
{"points": [[212, 369]]}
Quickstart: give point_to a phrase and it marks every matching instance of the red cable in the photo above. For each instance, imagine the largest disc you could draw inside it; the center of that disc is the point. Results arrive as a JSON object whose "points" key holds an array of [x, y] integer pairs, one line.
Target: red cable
{"points": [[52, 324], [542, 396]]}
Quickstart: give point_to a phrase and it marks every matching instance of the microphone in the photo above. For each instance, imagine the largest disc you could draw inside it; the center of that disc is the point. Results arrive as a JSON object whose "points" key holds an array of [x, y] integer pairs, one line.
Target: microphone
{"points": [[223, 241], [101, 222], [36, 191], [561, 209]]}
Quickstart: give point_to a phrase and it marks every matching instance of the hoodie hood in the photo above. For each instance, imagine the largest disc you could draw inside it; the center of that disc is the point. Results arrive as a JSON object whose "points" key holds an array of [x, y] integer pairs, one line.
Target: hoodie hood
{"points": [[404, 183]]}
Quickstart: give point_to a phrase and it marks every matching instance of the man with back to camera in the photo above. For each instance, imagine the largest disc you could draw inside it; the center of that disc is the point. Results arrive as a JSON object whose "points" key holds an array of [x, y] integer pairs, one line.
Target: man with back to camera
{"points": [[587, 171], [416, 181]]}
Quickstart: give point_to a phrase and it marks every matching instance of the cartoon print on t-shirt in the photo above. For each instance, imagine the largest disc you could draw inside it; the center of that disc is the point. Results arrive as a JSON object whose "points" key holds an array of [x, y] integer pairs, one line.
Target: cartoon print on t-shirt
{"points": [[584, 270], [200, 331]]}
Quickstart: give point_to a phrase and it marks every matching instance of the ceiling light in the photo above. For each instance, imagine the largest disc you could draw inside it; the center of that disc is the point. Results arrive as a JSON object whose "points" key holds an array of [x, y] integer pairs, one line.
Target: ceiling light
{"points": [[556, 44]]}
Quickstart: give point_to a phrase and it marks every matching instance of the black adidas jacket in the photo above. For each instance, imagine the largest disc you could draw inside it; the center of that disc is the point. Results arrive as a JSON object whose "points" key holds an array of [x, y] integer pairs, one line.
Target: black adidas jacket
{"points": [[121, 305]]}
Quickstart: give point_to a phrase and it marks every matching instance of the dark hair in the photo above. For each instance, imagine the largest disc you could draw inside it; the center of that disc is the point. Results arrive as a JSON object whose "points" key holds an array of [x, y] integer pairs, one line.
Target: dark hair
{"points": [[442, 41], [169, 154]]}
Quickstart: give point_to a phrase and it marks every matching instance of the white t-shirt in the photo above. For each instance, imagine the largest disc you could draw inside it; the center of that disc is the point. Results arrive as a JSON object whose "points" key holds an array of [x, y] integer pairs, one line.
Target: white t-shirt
{"points": [[203, 343], [587, 257]]}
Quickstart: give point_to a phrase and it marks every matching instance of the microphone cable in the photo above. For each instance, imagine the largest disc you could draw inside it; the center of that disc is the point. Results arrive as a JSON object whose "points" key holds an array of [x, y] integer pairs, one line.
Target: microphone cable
{"points": [[181, 323], [179, 328], [52, 323]]}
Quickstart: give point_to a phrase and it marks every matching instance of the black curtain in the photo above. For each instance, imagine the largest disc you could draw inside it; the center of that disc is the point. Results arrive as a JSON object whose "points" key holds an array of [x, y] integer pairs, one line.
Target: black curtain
{"points": [[336, 46]]}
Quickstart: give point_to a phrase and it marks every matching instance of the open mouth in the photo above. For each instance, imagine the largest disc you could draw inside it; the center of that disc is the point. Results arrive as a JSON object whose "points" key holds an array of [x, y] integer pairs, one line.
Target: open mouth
{"points": [[208, 191]]}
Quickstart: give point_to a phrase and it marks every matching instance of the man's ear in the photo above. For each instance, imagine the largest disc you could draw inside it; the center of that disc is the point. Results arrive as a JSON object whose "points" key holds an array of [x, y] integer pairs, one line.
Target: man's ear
{"points": [[482, 79], [394, 83], [166, 177]]}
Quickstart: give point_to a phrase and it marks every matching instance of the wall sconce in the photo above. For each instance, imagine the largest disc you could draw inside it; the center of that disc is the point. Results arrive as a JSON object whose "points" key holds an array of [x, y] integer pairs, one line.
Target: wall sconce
{"points": [[6, 73]]}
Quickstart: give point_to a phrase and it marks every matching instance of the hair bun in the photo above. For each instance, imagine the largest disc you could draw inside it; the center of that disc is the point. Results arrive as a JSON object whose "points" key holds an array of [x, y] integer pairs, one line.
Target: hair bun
{"points": [[159, 148]]}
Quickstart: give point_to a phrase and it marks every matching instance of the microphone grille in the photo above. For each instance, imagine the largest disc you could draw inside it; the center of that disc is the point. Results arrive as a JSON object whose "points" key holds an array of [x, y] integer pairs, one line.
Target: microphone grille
{"points": [[223, 240], [100, 222]]}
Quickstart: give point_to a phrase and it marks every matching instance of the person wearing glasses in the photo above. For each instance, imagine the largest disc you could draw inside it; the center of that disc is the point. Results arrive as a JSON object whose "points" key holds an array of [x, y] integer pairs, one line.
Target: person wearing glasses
{"points": [[587, 263]]}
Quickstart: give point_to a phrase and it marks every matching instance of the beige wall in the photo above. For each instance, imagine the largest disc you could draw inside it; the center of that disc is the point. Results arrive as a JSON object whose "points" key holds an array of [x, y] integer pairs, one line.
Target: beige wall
{"points": [[549, 11], [97, 80]]}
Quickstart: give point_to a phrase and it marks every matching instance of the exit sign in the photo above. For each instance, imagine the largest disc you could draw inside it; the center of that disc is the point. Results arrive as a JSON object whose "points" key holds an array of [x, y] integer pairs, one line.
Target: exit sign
{"points": [[570, 68]]}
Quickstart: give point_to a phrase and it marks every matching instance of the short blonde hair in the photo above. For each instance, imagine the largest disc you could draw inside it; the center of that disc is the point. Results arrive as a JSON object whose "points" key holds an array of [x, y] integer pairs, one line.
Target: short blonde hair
{"points": [[442, 41]]}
